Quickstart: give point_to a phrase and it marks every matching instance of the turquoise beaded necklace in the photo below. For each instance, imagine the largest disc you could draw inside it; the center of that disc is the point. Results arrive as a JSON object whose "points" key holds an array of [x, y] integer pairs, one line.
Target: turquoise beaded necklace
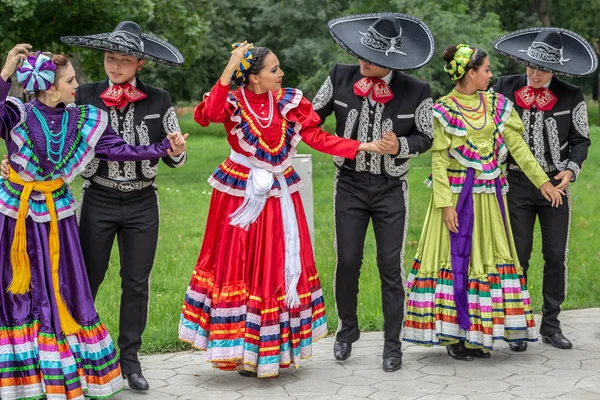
{"points": [[56, 138]]}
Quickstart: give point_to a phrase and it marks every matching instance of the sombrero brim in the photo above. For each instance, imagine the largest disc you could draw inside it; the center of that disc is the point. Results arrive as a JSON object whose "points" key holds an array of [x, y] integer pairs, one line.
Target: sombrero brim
{"points": [[417, 41], [155, 48], [581, 55]]}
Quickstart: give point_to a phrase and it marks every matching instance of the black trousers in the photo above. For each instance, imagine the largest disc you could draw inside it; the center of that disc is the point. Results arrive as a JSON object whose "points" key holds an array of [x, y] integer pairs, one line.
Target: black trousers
{"points": [[361, 197], [133, 217], [525, 203]]}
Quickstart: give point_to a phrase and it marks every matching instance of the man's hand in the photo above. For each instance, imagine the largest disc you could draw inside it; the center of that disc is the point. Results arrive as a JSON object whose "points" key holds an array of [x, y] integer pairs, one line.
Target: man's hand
{"points": [[565, 178]]}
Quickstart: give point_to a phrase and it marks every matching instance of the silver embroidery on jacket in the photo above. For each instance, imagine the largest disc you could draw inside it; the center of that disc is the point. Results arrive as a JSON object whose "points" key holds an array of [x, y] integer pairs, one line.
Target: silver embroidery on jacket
{"points": [[572, 165], [324, 94], [170, 122], [363, 132], [128, 134], [148, 171], [424, 117], [580, 120], [378, 128], [554, 144], [350, 122], [539, 149], [526, 118]]}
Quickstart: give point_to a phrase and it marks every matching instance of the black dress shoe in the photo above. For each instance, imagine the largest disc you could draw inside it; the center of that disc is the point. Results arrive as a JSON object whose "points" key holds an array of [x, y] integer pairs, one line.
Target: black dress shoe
{"points": [[341, 351], [459, 352], [558, 340], [392, 364], [518, 346], [247, 374], [478, 353], [136, 381]]}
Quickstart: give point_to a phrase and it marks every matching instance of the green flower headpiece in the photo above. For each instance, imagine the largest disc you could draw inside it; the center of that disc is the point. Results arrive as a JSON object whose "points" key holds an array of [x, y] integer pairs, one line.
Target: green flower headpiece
{"points": [[458, 66]]}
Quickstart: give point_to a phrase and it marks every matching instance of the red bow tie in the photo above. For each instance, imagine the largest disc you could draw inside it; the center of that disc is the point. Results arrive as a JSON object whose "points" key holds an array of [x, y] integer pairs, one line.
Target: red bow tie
{"points": [[119, 96], [380, 91], [543, 99]]}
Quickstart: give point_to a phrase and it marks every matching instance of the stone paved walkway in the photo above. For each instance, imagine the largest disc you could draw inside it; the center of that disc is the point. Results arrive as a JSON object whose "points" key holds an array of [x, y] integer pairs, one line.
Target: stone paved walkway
{"points": [[542, 372]]}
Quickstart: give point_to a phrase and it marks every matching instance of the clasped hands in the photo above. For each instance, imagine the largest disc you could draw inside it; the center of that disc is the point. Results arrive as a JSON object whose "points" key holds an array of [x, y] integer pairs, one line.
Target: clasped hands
{"points": [[388, 144], [178, 142]]}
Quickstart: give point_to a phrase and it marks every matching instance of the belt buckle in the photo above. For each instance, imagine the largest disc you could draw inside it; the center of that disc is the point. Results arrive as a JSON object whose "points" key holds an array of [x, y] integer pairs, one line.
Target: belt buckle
{"points": [[126, 186]]}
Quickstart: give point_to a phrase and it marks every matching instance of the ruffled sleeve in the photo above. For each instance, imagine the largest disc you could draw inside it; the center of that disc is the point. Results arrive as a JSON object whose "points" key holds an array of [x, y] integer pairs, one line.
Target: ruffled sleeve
{"points": [[307, 121], [513, 129], [442, 195], [216, 106]]}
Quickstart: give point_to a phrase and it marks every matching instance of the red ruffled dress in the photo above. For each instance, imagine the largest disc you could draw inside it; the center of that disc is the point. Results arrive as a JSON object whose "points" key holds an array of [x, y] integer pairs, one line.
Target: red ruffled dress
{"points": [[235, 306]]}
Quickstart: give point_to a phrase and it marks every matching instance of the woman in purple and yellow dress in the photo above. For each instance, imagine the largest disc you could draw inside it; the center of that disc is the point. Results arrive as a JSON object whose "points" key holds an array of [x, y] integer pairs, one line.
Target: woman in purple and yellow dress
{"points": [[466, 288], [255, 301], [52, 343]]}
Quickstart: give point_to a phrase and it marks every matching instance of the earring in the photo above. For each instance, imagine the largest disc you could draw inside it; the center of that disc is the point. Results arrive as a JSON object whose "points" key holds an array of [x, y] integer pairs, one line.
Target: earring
{"points": [[55, 96]]}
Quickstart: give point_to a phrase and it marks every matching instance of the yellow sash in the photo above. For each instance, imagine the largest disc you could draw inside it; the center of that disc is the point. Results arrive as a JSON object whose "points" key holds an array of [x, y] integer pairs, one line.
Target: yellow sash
{"points": [[21, 269]]}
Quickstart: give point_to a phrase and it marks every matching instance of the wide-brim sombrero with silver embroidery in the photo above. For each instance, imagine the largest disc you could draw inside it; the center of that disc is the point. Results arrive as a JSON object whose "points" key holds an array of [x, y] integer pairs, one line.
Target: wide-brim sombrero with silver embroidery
{"points": [[127, 38], [389, 40], [549, 49]]}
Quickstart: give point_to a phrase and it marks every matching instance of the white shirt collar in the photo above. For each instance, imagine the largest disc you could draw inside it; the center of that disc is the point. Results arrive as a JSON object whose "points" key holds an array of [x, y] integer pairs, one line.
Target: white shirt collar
{"points": [[133, 82], [388, 78]]}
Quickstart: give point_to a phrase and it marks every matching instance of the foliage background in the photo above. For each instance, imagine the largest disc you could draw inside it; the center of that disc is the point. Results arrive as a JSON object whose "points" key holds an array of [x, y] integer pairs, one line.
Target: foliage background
{"points": [[296, 30]]}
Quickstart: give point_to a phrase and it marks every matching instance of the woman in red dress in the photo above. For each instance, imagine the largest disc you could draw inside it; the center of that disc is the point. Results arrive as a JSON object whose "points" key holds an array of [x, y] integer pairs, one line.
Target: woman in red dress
{"points": [[255, 301]]}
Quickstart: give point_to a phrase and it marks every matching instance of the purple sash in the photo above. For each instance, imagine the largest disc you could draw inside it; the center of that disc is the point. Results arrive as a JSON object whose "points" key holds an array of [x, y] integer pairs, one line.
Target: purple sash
{"points": [[460, 245]]}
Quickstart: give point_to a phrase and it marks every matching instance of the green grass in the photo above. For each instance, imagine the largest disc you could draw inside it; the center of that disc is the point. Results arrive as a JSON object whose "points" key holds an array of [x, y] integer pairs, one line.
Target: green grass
{"points": [[184, 199]]}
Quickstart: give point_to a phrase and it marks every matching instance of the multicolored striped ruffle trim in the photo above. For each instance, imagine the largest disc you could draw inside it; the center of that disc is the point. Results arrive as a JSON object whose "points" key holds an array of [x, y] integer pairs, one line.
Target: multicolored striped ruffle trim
{"points": [[241, 330], [91, 123], [230, 177], [278, 158], [37, 365], [457, 177], [499, 308]]}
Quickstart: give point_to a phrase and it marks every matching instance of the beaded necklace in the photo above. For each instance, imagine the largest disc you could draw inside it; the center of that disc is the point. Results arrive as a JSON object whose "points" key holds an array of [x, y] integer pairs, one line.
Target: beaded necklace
{"points": [[56, 138], [475, 110], [269, 119]]}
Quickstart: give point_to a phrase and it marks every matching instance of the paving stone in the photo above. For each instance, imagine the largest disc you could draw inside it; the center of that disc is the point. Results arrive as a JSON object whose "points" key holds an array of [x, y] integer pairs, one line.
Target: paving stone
{"points": [[380, 375], [486, 396], [541, 380], [428, 373], [591, 384], [480, 371], [570, 373], [312, 387], [444, 379], [438, 370], [539, 392], [211, 395], [180, 390], [409, 388], [232, 381], [578, 395], [160, 374], [477, 387], [382, 395], [361, 392]]}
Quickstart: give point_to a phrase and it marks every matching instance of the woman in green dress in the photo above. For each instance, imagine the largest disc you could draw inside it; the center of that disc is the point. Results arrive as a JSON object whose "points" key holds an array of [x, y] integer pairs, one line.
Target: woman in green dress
{"points": [[466, 287]]}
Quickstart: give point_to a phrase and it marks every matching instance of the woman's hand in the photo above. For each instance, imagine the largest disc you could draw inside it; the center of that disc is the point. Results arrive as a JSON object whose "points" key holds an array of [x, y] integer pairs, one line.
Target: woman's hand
{"points": [[552, 193], [234, 61], [5, 168], [370, 146], [450, 218], [178, 142], [14, 58]]}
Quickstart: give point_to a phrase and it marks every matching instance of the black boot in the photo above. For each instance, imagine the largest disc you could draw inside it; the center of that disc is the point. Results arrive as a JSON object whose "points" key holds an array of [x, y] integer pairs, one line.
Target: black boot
{"points": [[458, 351]]}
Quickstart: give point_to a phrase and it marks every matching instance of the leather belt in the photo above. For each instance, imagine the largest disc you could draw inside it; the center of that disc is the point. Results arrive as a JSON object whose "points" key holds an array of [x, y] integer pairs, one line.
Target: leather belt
{"points": [[124, 186], [547, 169]]}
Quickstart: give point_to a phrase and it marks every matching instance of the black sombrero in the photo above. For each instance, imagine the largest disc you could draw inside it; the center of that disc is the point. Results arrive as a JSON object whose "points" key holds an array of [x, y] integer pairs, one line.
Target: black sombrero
{"points": [[549, 49], [389, 40], [127, 38]]}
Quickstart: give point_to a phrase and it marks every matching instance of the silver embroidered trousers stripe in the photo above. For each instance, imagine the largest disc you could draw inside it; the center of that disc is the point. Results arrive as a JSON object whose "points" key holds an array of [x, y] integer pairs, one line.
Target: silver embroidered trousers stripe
{"points": [[526, 204], [361, 198]]}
